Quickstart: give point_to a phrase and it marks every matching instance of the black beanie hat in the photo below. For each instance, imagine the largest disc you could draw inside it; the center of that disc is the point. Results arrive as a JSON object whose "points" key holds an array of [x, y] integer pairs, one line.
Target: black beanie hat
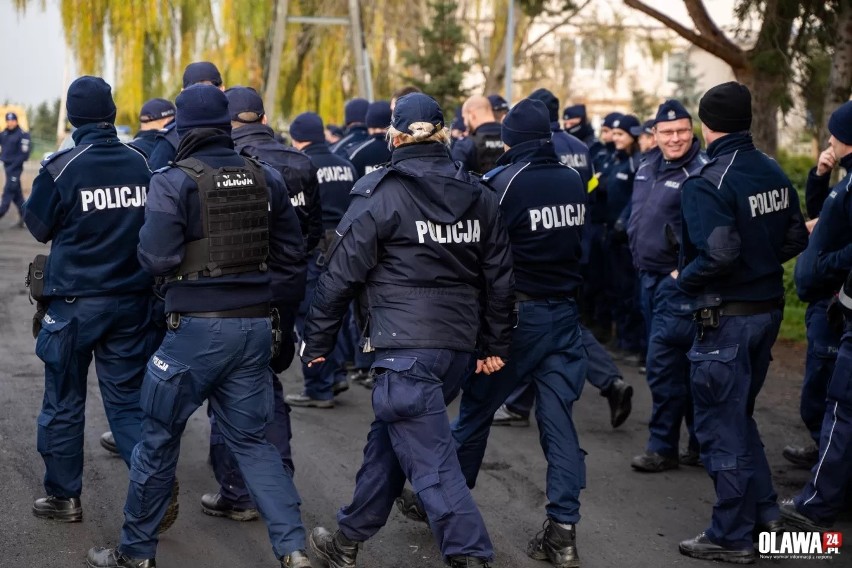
{"points": [[528, 120], [549, 100], [840, 123], [726, 108], [378, 115], [89, 101], [307, 127], [355, 111], [202, 106]]}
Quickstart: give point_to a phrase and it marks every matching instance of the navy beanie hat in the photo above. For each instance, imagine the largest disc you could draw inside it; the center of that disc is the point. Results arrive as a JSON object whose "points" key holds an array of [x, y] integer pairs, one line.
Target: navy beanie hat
{"points": [[378, 115], [202, 106], [840, 123], [549, 100], [307, 127], [416, 107], [89, 101], [528, 120], [199, 72], [355, 111], [726, 108], [625, 123]]}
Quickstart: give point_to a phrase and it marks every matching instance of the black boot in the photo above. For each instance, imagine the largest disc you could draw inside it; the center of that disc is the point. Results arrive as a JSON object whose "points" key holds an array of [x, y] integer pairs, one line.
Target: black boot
{"points": [[703, 548], [557, 544], [108, 443], [335, 550], [112, 558], [793, 518], [801, 456], [296, 559], [215, 505], [690, 457], [652, 462], [619, 395], [66, 510], [776, 526], [468, 562], [409, 505]]}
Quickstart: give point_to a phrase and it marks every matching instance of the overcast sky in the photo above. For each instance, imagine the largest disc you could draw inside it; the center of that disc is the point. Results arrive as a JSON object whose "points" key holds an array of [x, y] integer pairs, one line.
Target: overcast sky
{"points": [[32, 53]]}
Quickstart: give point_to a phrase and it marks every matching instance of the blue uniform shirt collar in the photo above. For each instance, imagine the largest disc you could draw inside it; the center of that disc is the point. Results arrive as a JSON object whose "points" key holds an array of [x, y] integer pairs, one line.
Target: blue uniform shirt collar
{"points": [[94, 132], [693, 151], [730, 143]]}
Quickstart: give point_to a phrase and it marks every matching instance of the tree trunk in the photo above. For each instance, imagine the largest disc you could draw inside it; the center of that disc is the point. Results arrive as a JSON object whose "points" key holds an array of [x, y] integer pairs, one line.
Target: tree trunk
{"points": [[764, 107], [840, 76]]}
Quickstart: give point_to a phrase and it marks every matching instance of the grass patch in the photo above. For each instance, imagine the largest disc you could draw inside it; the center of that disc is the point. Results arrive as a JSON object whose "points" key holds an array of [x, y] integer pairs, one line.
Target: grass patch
{"points": [[793, 326]]}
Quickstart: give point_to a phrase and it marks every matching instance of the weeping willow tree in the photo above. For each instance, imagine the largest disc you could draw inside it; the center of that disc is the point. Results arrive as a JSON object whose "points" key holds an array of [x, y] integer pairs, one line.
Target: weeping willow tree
{"points": [[151, 41]]}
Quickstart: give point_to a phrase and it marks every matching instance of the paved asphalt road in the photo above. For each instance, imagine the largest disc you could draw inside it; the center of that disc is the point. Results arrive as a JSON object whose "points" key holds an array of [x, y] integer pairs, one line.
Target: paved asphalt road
{"points": [[629, 519]]}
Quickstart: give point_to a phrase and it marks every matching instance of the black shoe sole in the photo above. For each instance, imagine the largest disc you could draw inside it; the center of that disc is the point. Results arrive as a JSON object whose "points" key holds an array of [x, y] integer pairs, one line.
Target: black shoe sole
{"points": [[172, 511], [512, 423], [625, 400], [797, 461], [241, 516], [411, 513], [537, 553], [110, 448], [653, 470], [75, 516], [729, 556], [325, 558]]}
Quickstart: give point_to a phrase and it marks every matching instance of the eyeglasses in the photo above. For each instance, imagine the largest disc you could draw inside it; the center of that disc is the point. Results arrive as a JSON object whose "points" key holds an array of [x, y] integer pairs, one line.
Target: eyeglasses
{"points": [[680, 133]]}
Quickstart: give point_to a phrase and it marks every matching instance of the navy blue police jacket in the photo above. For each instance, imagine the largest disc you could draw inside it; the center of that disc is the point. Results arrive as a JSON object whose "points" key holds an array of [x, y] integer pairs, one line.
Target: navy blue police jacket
{"points": [[572, 152], [817, 189], [586, 134], [165, 147], [89, 202], [14, 150], [823, 267], [656, 205], [464, 150], [173, 218], [299, 173], [543, 203], [144, 141], [370, 154], [741, 220], [424, 245], [354, 135], [616, 185], [335, 178]]}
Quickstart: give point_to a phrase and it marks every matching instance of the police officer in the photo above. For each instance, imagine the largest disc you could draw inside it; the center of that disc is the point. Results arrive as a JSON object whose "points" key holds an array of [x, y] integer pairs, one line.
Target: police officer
{"points": [[499, 106], [370, 154], [575, 123], [14, 151], [333, 134], [155, 115], [457, 128], [653, 227], [88, 202], [355, 117], [252, 137], [818, 285], [570, 150], [741, 222], [219, 341], [622, 283], [644, 136], [818, 270], [165, 147], [335, 176], [479, 150], [544, 206], [443, 246]]}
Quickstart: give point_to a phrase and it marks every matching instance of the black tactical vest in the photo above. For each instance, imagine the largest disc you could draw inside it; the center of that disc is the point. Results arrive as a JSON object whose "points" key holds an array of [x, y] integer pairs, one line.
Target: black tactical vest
{"points": [[489, 148], [235, 220]]}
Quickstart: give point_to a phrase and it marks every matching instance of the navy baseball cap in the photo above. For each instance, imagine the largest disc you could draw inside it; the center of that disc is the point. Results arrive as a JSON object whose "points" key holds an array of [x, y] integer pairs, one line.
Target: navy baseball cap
{"points": [[416, 107], [646, 128], [611, 118], [201, 71], [498, 103], [575, 111], [156, 109], [242, 100], [11, 116], [671, 110]]}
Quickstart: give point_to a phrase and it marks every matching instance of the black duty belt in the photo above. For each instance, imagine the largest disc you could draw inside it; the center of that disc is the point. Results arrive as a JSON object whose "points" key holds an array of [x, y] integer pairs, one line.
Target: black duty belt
{"points": [[255, 311], [521, 297], [749, 308]]}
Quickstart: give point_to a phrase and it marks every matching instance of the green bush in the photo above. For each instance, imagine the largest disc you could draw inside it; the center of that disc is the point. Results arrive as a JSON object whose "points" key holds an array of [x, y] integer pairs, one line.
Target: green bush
{"points": [[793, 326], [796, 167]]}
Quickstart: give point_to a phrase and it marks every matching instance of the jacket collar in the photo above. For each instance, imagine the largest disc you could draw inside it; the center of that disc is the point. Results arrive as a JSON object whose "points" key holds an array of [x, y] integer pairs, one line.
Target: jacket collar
{"points": [[531, 151], [257, 130], [419, 150], [730, 143], [316, 149], [94, 132]]}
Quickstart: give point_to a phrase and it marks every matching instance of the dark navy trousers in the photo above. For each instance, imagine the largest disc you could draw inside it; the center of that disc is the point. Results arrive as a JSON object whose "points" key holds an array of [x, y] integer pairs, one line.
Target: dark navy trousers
{"points": [[410, 439], [226, 362], [12, 193], [823, 343], [601, 372], [729, 366], [596, 307], [671, 331], [547, 347], [320, 379], [823, 497], [119, 332], [622, 293]]}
